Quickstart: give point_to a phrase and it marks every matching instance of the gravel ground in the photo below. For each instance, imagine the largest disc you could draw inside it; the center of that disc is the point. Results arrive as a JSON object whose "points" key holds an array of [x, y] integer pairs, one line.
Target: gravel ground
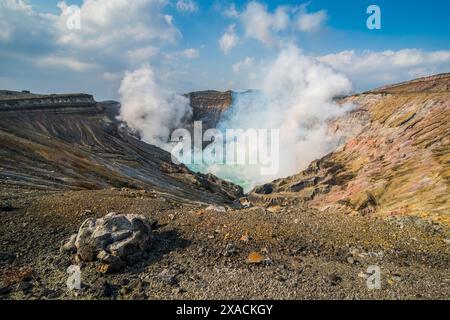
{"points": [[203, 253]]}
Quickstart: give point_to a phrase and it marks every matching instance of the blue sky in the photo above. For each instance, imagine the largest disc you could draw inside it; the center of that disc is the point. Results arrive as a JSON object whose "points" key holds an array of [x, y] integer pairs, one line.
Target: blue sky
{"points": [[181, 41]]}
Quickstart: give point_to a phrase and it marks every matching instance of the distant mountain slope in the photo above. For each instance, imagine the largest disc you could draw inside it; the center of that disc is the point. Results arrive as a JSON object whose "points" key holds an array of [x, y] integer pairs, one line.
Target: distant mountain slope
{"points": [[72, 142], [396, 159]]}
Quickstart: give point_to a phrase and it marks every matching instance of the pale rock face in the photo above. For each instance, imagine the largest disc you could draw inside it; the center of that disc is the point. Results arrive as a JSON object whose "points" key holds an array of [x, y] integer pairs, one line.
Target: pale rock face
{"points": [[114, 240]]}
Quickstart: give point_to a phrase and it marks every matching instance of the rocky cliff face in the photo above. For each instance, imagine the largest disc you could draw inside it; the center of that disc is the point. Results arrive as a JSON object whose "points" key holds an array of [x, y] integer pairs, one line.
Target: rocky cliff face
{"points": [[208, 106], [71, 142], [394, 159]]}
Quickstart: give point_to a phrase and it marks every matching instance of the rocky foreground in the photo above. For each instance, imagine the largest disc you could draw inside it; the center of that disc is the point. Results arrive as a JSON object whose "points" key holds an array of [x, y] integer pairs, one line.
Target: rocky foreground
{"points": [[78, 189], [201, 252]]}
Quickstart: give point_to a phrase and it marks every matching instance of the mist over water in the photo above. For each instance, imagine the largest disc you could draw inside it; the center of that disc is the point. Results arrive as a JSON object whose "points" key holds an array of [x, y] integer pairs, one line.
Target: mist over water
{"points": [[295, 95]]}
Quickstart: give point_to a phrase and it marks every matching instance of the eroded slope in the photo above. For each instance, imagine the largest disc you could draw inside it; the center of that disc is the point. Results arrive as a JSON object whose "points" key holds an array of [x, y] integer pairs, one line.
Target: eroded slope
{"points": [[398, 162], [71, 142]]}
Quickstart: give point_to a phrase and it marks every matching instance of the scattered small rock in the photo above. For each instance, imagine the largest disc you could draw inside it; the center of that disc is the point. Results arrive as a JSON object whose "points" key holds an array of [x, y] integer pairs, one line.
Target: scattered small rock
{"points": [[216, 209], [255, 257], [178, 290], [109, 263], [281, 278], [69, 245], [5, 290], [103, 289], [245, 203], [351, 260], [86, 212], [229, 250], [50, 294], [245, 238], [363, 275], [396, 277], [137, 290], [334, 279], [25, 286], [6, 206], [168, 276]]}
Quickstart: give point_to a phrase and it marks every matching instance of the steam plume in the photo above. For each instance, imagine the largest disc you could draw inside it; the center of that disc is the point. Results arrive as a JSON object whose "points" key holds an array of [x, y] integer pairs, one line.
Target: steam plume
{"points": [[150, 109], [296, 97]]}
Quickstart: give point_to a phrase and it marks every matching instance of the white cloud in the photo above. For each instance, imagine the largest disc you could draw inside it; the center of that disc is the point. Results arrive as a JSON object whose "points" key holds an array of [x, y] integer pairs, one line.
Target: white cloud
{"points": [[112, 76], [190, 53], [228, 40], [259, 23], [269, 27], [231, 11], [116, 24], [18, 22], [247, 62], [311, 21], [67, 62], [16, 5], [376, 68], [113, 35], [5, 33], [186, 6], [142, 54], [225, 8]]}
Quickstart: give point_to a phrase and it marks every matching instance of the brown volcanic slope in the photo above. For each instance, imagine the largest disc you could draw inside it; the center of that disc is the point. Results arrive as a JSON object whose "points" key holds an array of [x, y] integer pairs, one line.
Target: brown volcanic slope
{"points": [[60, 142], [396, 160]]}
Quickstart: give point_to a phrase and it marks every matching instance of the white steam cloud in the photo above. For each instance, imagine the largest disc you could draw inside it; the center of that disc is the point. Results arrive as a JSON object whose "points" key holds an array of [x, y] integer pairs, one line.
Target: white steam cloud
{"points": [[149, 108], [296, 97]]}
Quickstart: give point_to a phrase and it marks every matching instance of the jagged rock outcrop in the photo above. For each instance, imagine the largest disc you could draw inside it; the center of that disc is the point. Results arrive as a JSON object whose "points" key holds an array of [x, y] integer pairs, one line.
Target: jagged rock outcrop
{"points": [[208, 106], [114, 240], [59, 142], [58, 103], [395, 161]]}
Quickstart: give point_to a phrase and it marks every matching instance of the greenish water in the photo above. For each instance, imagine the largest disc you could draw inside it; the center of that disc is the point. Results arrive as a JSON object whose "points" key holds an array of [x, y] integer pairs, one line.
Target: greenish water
{"points": [[231, 173]]}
